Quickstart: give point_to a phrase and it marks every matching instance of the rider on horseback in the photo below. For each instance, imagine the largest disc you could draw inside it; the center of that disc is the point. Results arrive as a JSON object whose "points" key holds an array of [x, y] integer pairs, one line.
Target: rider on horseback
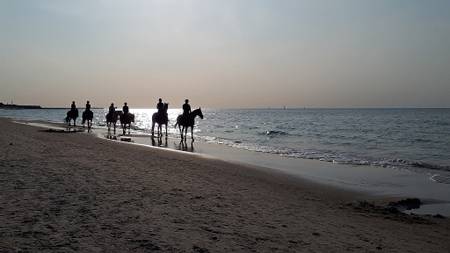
{"points": [[160, 117], [126, 112], [186, 110], [111, 112], [162, 110], [160, 106], [88, 106], [73, 107], [125, 108], [72, 114], [112, 109], [87, 115]]}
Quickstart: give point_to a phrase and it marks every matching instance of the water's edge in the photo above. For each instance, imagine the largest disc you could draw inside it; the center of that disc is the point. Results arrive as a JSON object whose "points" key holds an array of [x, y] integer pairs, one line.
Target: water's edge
{"points": [[367, 179]]}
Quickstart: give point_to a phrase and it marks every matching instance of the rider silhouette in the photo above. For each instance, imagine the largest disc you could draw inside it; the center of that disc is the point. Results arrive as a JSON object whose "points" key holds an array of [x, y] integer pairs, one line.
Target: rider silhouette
{"points": [[112, 109], [73, 107], [160, 106], [88, 106], [186, 108], [125, 108]]}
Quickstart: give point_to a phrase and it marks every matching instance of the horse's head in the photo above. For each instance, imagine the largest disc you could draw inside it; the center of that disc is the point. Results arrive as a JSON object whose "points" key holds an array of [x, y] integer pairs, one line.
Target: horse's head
{"points": [[166, 106], [199, 112]]}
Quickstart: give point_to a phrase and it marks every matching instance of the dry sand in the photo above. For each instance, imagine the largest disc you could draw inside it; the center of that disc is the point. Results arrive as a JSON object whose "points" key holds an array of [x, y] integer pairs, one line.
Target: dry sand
{"points": [[65, 192]]}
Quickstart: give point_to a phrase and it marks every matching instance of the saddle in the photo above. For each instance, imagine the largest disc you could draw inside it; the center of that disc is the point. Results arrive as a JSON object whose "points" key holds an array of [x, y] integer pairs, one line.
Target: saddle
{"points": [[162, 116], [185, 119]]}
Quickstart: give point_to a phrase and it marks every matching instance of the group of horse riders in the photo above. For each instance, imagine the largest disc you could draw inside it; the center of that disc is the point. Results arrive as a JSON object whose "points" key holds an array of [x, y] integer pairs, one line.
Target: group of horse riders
{"points": [[161, 117]]}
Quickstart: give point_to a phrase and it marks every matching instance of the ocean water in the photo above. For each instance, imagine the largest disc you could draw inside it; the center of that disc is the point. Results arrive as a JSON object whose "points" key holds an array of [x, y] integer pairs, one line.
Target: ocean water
{"points": [[413, 139]]}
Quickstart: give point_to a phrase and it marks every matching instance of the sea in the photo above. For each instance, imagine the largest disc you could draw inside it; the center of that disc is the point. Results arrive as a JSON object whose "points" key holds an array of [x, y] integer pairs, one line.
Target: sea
{"points": [[401, 139]]}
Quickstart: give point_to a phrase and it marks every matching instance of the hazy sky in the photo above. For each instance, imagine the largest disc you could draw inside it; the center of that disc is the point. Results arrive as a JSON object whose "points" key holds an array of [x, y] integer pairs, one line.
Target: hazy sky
{"points": [[226, 53]]}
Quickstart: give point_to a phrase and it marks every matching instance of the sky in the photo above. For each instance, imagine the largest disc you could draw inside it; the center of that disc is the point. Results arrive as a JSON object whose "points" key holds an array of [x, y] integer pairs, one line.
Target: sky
{"points": [[226, 54]]}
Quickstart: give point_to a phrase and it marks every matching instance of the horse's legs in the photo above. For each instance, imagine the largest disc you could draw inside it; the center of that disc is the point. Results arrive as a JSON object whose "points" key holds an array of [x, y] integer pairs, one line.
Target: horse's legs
{"points": [[192, 133], [185, 132], [153, 129], [166, 130], [181, 131]]}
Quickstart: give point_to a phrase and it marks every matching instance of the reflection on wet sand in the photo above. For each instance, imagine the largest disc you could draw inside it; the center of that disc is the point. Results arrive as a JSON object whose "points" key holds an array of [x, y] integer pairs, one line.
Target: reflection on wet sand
{"points": [[159, 142], [184, 146]]}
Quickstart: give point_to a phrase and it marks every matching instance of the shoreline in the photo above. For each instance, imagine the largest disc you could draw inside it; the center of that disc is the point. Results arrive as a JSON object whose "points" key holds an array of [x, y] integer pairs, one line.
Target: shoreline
{"points": [[73, 192], [376, 183]]}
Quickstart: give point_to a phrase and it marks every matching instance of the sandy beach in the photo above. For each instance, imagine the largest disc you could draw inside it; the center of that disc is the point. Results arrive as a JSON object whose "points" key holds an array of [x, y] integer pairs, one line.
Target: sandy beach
{"points": [[67, 192]]}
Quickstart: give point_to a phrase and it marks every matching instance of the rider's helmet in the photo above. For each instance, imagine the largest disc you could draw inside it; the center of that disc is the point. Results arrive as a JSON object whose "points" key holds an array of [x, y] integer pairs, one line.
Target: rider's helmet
{"points": [[186, 100]]}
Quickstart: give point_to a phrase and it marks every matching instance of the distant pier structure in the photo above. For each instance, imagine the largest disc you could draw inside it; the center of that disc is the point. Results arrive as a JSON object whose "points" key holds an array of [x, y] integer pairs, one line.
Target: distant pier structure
{"points": [[14, 106]]}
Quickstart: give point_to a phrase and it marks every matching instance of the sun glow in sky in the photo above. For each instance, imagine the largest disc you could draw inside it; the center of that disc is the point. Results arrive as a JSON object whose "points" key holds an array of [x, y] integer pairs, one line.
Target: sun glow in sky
{"points": [[230, 53]]}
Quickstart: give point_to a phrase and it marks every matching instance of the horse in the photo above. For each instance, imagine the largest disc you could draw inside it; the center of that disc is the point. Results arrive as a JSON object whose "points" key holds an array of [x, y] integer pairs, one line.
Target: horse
{"points": [[72, 115], [111, 120], [125, 121], [160, 118], [88, 115], [188, 122]]}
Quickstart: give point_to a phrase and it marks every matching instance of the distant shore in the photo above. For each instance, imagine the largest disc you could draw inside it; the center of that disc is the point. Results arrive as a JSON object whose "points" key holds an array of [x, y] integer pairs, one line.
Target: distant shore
{"points": [[72, 192], [14, 106]]}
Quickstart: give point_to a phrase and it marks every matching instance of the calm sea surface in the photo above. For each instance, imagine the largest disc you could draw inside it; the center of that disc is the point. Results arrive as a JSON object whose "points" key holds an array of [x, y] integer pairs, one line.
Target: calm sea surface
{"points": [[415, 139]]}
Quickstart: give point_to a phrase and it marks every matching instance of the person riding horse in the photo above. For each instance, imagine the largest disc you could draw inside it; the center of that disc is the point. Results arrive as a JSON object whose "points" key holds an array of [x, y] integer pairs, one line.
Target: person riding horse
{"points": [[187, 119], [161, 117], [126, 118], [72, 114], [186, 111], [125, 111], [125, 108], [160, 106], [162, 110], [87, 114], [112, 117], [112, 108], [111, 112]]}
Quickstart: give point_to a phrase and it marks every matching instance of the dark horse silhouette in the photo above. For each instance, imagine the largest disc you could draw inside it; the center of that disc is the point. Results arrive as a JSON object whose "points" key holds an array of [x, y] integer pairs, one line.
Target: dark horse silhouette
{"points": [[87, 116], [72, 115], [111, 120], [125, 121], [185, 122], [160, 118]]}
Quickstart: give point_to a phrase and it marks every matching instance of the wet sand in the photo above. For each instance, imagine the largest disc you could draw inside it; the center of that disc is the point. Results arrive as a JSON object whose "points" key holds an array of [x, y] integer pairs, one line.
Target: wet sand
{"points": [[73, 192]]}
